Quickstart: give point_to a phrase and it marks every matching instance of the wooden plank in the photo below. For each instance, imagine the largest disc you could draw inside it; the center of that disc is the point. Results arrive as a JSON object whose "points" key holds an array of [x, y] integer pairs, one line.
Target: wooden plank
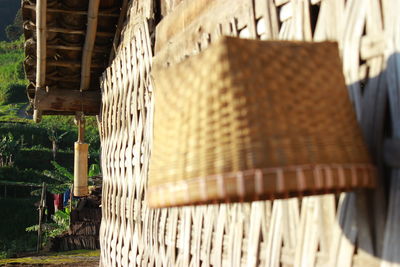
{"points": [[183, 15], [31, 27], [77, 48], [103, 13], [168, 6], [68, 100], [72, 64], [90, 38]]}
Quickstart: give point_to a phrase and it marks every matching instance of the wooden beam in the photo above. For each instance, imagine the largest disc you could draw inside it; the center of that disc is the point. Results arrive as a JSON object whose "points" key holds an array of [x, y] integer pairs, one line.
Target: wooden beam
{"points": [[41, 6], [78, 48], [76, 12], [79, 32], [31, 26], [68, 101], [117, 36], [72, 64], [90, 37]]}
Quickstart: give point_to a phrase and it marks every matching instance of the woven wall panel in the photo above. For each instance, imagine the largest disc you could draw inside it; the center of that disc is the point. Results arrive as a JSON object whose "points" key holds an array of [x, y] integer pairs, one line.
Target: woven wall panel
{"points": [[346, 230]]}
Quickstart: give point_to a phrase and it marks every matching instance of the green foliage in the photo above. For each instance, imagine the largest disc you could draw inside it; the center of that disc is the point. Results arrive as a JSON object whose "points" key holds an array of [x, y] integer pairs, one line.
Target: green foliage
{"points": [[17, 215], [94, 170], [13, 32], [60, 225], [32, 134], [14, 174], [12, 76], [54, 135], [38, 134], [12, 47], [40, 158], [9, 149], [61, 178], [13, 93]]}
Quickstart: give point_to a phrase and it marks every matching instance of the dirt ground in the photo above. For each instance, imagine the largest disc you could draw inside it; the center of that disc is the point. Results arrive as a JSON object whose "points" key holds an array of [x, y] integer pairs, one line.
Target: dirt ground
{"points": [[81, 258]]}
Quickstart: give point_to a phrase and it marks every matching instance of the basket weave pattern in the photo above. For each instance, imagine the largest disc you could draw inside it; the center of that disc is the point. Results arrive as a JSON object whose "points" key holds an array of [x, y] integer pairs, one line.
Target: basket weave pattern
{"points": [[248, 120]]}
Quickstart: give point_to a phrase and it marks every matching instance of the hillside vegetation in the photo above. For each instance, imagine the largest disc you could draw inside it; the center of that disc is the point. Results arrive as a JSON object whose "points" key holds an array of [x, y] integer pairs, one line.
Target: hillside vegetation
{"points": [[29, 152]]}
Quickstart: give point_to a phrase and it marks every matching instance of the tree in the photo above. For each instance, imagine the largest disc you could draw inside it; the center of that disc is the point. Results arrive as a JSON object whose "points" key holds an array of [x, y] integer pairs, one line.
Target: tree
{"points": [[9, 148], [63, 179], [14, 31], [55, 137]]}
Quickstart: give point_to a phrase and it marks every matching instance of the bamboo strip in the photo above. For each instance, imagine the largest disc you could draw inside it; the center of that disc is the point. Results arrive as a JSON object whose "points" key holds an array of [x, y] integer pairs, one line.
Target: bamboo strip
{"points": [[41, 36], [90, 37]]}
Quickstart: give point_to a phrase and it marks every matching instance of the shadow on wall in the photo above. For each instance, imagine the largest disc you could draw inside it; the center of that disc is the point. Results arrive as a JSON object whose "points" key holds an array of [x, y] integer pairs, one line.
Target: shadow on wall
{"points": [[370, 218]]}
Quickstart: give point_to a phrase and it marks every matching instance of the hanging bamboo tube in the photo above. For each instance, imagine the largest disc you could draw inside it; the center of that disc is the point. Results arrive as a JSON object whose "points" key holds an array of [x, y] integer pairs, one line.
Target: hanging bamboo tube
{"points": [[41, 7], [81, 161]]}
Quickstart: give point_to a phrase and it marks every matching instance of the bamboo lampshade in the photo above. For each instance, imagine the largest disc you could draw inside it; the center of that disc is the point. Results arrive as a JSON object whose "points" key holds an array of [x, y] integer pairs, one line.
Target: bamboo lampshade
{"points": [[254, 120]]}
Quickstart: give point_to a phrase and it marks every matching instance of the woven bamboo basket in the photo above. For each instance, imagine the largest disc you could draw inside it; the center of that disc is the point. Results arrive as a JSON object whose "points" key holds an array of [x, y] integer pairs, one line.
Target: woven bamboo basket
{"points": [[249, 120]]}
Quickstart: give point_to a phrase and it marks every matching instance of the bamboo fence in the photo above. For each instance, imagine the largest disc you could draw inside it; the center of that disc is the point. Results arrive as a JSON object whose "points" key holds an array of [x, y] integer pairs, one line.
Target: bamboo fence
{"points": [[351, 229]]}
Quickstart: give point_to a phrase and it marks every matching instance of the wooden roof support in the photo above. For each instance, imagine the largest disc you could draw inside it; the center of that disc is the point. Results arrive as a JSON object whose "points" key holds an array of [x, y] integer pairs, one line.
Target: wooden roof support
{"points": [[72, 64], [31, 26], [102, 49], [41, 6], [120, 24], [75, 12], [91, 30], [87, 102]]}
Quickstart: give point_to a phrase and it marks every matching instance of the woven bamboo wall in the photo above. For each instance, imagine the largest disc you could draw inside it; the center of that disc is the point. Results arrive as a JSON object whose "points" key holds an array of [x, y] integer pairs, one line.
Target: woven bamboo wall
{"points": [[352, 229]]}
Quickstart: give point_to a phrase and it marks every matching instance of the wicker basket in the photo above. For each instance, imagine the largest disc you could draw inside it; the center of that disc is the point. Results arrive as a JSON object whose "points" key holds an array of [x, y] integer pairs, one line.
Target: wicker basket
{"points": [[250, 120]]}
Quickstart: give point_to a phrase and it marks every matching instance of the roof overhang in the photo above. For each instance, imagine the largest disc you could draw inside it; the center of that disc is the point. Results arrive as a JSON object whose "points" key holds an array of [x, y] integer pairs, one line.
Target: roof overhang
{"points": [[68, 46]]}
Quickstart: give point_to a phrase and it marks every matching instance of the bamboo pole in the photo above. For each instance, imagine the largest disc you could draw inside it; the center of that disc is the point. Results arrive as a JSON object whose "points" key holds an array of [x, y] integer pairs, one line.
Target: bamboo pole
{"points": [[41, 210], [91, 31], [41, 6], [81, 160]]}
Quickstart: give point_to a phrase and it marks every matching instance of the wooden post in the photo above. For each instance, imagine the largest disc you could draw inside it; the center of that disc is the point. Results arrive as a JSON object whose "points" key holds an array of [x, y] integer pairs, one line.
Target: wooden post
{"points": [[71, 195], [41, 212]]}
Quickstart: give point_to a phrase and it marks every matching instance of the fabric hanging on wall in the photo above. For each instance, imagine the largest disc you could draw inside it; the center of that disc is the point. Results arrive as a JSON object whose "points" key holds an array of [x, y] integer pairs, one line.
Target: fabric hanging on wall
{"points": [[58, 201], [66, 198]]}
